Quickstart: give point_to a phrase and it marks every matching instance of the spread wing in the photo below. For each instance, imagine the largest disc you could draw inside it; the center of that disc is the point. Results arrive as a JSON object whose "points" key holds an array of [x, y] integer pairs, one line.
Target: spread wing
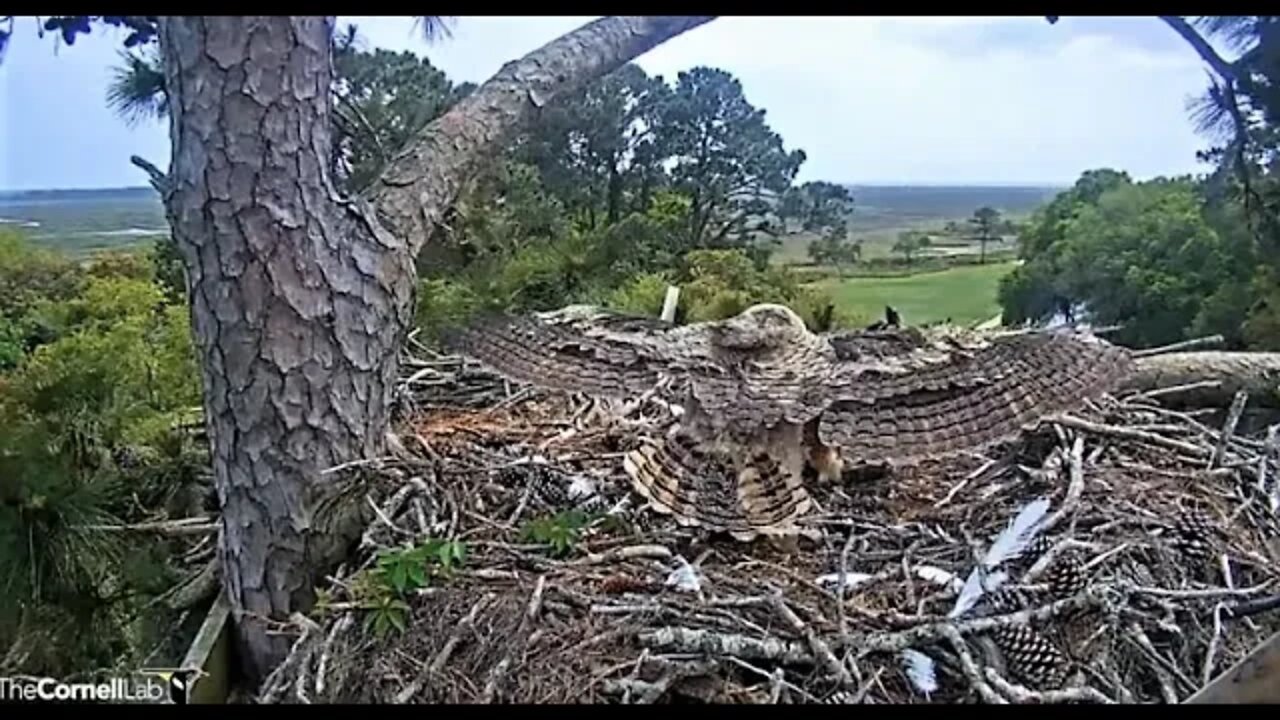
{"points": [[746, 490], [735, 463], [579, 349], [599, 352], [944, 398]]}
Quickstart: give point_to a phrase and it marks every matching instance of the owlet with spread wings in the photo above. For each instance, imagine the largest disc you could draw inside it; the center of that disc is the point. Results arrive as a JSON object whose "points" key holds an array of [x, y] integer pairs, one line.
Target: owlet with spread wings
{"points": [[764, 398]]}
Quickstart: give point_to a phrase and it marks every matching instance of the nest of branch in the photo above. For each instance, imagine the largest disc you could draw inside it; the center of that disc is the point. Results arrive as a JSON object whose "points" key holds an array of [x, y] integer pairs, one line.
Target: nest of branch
{"points": [[619, 604]]}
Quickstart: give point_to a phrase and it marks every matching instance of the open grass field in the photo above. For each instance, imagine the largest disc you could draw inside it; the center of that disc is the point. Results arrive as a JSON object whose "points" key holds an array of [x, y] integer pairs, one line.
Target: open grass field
{"points": [[82, 222], [966, 294], [881, 212]]}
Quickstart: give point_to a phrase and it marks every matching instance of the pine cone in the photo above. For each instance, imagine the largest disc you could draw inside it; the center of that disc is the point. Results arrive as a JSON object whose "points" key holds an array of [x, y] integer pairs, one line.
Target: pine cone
{"points": [[1066, 576], [1035, 550], [1008, 600], [1193, 535], [1030, 657]]}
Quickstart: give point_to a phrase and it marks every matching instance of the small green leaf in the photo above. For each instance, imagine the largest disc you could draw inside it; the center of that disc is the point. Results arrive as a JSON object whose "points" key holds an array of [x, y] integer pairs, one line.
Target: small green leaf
{"points": [[397, 620], [417, 576], [400, 577]]}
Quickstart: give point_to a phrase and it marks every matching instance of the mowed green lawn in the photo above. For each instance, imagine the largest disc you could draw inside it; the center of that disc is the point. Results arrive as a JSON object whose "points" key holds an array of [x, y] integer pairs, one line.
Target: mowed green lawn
{"points": [[965, 294]]}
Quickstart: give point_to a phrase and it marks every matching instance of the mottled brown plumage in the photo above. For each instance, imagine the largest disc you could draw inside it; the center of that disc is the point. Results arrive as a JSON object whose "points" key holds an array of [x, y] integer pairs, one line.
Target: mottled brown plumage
{"points": [[763, 397]]}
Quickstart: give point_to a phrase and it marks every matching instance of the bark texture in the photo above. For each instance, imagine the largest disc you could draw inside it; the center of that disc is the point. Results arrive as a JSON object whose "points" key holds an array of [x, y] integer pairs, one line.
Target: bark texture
{"points": [[296, 308], [300, 298], [1257, 373], [420, 184]]}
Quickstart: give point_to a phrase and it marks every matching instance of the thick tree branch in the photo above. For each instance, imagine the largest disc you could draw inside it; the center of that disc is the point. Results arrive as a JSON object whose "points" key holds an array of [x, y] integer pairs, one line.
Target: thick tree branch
{"points": [[1202, 47], [1231, 81], [423, 180]]}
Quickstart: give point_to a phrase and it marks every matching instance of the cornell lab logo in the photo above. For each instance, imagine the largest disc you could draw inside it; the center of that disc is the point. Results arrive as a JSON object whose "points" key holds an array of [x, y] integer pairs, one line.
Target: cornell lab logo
{"points": [[177, 680]]}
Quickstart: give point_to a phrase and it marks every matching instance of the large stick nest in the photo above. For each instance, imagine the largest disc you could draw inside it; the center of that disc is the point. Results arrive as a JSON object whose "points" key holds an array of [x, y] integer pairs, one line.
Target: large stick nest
{"points": [[619, 603]]}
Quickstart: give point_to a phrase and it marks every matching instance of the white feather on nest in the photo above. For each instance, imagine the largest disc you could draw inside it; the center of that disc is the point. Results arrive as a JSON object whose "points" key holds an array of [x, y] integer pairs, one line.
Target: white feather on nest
{"points": [[939, 577], [921, 671], [852, 580], [1008, 544]]}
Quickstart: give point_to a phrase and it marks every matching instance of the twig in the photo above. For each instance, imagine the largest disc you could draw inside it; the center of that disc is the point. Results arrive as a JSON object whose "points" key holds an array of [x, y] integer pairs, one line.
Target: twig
{"points": [[1211, 654], [438, 662], [970, 668], [842, 582], [1074, 489], [1252, 607], [159, 180], [963, 483], [690, 640], [1176, 389], [632, 552], [196, 589], [1130, 434], [777, 678], [1192, 344], [1203, 594], [893, 642], [1162, 667], [817, 644], [531, 613], [1229, 427], [322, 667], [165, 528], [1020, 694]]}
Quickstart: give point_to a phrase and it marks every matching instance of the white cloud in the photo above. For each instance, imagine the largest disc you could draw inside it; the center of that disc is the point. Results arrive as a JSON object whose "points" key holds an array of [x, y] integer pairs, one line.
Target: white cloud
{"points": [[944, 99]]}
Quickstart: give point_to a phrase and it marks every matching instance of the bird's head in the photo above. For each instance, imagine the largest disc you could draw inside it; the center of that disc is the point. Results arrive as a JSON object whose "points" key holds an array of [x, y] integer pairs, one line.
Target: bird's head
{"points": [[762, 326]]}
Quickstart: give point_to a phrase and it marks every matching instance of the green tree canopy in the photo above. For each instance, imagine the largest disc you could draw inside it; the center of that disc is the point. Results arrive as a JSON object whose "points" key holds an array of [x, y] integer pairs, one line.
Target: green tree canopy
{"points": [[1142, 255]]}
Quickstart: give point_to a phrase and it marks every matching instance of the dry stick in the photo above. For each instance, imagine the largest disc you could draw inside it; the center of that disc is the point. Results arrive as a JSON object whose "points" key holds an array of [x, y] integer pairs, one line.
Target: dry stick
{"points": [[840, 583], [775, 691], [338, 628], [1229, 427], [893, 642], [633, 552], [1211, 654], [1074, 489], [1173, 390], [1165, 669], [689, 640], [1192, 344], [1130, 434], [1252, 607], [1020, 694], [1201, 594], [530, 615], [165, 528], [438, 662], [781, 680], [818, 645], [1264, 458], [970, 668], [299, 654], [963, 483]]}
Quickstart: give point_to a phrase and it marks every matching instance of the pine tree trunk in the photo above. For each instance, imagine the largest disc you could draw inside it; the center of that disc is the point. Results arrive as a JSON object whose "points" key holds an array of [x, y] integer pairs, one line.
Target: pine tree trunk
{"points": [[300, 298], [297, 311]]}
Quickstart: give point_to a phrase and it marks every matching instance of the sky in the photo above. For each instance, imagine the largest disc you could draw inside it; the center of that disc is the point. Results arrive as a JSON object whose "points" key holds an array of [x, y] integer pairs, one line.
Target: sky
{"points": [[927, 100]]}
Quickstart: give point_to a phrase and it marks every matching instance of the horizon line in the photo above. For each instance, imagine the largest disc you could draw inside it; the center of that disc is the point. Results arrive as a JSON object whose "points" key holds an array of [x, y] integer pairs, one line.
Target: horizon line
{"points": [[847, 183]]}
